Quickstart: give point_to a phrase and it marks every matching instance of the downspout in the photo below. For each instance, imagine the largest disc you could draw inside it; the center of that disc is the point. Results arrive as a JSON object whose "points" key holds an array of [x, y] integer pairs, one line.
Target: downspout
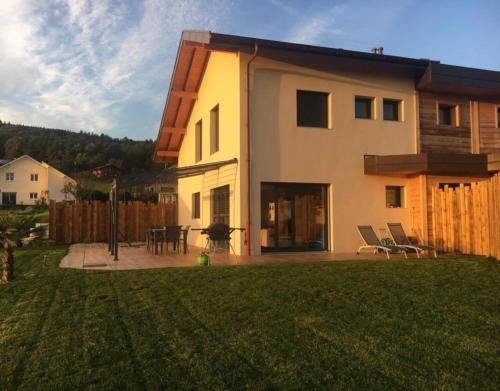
{"points": [[248, 224]]}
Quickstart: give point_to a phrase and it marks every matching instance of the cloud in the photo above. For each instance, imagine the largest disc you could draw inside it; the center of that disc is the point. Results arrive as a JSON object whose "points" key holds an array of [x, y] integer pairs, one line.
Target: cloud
{"points": [[80, 64], [311, 25]]}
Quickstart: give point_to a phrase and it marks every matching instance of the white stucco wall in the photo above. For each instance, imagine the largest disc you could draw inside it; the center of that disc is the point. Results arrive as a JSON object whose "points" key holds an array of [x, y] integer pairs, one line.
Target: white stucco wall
{"points": [[284, 152], [50, 181]]}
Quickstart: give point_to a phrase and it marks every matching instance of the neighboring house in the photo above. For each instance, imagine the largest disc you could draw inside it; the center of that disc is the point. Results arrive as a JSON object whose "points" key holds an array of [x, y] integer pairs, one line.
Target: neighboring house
{"points": [[298, 144], [165, 185], [26, 181], [107, 171]]}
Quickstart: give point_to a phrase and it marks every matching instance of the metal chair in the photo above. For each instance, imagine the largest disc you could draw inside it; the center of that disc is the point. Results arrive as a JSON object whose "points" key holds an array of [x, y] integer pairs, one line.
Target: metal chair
{"points": [[172, 234], [184, 238]]}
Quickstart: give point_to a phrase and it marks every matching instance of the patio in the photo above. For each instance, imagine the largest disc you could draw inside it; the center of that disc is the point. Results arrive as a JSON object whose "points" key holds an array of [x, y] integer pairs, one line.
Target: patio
{"points": [[96, 256]]}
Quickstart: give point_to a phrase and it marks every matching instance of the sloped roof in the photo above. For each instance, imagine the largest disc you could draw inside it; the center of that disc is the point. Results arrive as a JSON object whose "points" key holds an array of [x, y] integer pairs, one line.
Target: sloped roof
{"points": [[195, 48]]}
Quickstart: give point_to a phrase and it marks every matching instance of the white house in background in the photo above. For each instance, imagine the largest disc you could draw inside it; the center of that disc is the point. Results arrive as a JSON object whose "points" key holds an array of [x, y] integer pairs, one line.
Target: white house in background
{"points": [[26, 181]]}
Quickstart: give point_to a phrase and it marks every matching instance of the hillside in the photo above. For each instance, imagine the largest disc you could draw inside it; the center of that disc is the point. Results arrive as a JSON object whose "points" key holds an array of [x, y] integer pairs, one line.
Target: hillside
{"points": [[73, 152]]}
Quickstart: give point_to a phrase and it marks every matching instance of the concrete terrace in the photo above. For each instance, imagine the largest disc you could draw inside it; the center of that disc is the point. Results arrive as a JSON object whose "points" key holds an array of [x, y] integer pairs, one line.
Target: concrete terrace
{"points": [[96, 256]]}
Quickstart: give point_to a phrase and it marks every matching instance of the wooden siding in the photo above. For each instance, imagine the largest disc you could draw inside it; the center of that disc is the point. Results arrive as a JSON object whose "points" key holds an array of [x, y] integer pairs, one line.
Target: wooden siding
{"points": [[489, 133], [443, 138], [414, 199], [433, 182]]}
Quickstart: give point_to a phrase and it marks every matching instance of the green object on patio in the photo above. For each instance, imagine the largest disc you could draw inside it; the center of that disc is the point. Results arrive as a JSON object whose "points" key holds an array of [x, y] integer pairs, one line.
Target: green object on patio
{"points": [[202, 259]]}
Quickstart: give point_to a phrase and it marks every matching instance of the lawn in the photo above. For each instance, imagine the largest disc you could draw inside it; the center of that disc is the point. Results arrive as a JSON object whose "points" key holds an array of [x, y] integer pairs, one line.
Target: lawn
{"points": [[426, 324]]}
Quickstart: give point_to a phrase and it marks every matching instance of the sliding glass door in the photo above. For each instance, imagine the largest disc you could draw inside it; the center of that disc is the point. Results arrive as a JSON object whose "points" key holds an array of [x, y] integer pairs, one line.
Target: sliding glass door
{"points": [[293, 217]]}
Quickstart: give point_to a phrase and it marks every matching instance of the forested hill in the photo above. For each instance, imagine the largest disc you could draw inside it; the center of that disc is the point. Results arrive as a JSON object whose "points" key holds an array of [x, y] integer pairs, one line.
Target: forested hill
{"points": [[74, 151]]}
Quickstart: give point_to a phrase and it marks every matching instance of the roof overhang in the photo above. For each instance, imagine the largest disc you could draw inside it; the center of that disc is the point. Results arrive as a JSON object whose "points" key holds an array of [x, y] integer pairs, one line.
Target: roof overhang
{"points": [[450, 79], [194, 52], [427, 164]]}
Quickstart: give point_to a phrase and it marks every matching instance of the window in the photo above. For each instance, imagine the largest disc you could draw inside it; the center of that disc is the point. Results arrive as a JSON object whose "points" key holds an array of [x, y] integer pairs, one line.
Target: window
{"points": [[312, 109], [220, 204], [392, 110], [34, 177], [196, 206], [198, 154], [447, 114], [214, 129], [9, 176], [363, 107], [33, 196], [394, 196], [9, 198]]}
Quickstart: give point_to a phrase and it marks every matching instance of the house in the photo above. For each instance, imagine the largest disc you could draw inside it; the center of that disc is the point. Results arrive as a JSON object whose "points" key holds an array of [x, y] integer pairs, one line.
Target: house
{"points": [[298, 144], [107, 171], [165, 185], [26, 181]]}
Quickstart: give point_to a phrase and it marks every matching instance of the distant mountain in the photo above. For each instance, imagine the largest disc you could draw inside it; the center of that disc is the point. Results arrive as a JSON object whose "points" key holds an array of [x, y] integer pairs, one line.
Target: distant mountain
{"points": [[73, 152]]}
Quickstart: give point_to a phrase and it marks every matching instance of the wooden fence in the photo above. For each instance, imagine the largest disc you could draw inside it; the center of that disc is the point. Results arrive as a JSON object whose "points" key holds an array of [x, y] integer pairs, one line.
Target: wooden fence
{"points": [[88, 222], [467, 219]]}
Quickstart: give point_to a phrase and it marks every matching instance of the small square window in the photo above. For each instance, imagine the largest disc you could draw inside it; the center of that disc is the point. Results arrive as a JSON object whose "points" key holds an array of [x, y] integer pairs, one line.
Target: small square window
{"points": [[392, 110], [363, 107], [394, 196], [33, 196], [447, 114], [34, 177], [196, 205], [9, 176], [312, 109]]}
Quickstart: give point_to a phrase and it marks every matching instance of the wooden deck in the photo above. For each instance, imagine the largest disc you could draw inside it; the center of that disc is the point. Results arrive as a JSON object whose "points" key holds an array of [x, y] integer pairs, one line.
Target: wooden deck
{"points": [[95, 256]]}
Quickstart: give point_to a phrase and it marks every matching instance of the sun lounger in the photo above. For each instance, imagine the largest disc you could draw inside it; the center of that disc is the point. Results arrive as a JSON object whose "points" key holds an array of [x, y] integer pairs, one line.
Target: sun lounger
{"points": [[399, 236], [372, 242]]}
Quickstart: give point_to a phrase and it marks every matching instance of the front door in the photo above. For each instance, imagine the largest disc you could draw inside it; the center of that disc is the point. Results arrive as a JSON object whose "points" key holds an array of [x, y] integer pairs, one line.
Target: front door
{"points": [[293, 217]]}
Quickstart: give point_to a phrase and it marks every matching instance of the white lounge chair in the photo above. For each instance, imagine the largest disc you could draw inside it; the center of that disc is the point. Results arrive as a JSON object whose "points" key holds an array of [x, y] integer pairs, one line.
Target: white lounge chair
{"points": [[372, 242], [399, 236]]}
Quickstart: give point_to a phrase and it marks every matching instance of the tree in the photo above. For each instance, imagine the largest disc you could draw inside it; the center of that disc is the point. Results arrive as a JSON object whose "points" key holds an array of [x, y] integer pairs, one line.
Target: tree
{"points": [[15, 229]]}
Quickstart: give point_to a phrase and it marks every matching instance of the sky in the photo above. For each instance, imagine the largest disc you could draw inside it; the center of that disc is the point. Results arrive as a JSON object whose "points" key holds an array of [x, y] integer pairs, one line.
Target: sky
{"points": [[105, 65]]}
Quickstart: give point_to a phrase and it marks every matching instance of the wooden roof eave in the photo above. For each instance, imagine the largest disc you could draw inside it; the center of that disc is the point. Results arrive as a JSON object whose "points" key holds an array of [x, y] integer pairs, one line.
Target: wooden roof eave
{"points": [[174, 121]]}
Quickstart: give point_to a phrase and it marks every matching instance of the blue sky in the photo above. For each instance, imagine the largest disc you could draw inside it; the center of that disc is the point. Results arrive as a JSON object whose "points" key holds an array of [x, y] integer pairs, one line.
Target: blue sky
{"points": [[105, 65]]}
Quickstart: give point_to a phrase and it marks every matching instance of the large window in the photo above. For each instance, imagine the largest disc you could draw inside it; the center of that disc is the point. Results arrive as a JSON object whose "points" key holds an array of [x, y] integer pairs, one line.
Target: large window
{"points": [[447, 114], [312, 109], [198, 133], [293, 217], [363, 107], [220, 204], [394, 196], [195, 207], [9, 198], [214, 129], [392, 110]]}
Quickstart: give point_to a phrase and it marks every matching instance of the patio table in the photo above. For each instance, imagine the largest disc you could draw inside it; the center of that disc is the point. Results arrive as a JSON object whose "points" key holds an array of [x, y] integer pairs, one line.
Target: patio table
{"points": [[157, 231]]}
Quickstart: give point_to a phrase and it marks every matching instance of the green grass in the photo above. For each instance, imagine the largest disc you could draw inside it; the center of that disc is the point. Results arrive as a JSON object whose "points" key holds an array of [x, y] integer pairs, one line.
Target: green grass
{"points": [[362, 324]]}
